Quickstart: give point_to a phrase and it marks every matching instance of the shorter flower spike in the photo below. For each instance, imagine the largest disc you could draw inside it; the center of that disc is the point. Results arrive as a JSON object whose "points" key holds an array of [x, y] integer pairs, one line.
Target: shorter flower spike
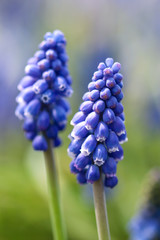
{"points": [[43, 89], [99, 127]]}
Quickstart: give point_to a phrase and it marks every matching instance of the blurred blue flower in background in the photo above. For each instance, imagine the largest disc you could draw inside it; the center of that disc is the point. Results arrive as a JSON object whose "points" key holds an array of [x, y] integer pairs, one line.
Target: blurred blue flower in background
{"points": [[146, 224]]}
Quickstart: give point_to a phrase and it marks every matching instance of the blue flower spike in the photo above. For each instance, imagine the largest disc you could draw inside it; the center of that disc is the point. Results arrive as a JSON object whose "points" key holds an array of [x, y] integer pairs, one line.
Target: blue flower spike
{"points": [[99, 128], [43, 90]]}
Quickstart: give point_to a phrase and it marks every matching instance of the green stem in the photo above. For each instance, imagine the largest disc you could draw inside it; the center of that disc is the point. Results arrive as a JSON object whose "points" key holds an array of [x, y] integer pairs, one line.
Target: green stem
{"points": [[53, 190], [101, 210]]}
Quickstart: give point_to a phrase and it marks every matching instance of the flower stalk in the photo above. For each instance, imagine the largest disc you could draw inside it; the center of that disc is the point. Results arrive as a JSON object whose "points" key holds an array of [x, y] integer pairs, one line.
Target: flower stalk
{"points": [[101, 210], [58, 229]]}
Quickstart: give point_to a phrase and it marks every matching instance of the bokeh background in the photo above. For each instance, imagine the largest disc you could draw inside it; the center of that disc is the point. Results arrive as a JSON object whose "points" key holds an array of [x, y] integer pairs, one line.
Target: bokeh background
{"points": [[129, 31]]}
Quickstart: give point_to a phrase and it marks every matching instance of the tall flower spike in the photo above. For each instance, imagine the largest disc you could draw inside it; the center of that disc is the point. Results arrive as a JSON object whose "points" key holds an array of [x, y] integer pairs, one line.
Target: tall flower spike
{"points": [[43, 89], [146, 224], [99, 127]]}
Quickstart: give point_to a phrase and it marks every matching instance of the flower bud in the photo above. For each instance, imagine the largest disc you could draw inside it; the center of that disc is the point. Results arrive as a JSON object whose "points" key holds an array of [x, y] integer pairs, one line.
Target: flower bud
{"points": [[111, 181], [91, 86], [86, 107], [56, 65], [109, 62], [109, 167], [73, 169], [100, 155], [118, 77], [33, 108], [112, 142], [105, 93], [79, 131], [33, 70], [94, 95], [82, 161], [118, 109], [39, 55], [98, 75], [123, 138], [116, 67], [118, 126], [40, 86], [59, 115], [43, 121], [51, 55], [99, 106], [99, 84], [108, 116], [39, 143], [110, 83], [60, 84], [49, 76], [101, 132], [52, 131], [29, 125], [88, 145], [92, 120], [26, 81], [112, 102], [93, 174], [74, 147], [81, 177], [48, 97], [116, 90], [101, 66], [78, 117], [118, 155]]}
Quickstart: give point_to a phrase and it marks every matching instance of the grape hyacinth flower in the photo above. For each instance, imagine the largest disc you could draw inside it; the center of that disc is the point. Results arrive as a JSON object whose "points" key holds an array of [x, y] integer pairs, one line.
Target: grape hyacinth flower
{"points": [[96, 138], [99, 128], [146, 224], [43, 89], [44, 109]]}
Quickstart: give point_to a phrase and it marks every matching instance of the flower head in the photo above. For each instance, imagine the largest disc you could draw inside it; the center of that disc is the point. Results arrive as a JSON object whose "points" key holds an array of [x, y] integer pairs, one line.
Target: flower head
{"points": [[99, 127], [43, 89], [146, 224]]}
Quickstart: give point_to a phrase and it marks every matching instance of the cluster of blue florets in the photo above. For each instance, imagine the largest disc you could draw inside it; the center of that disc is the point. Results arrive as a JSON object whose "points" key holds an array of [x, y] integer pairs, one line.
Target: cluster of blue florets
{"points": [[41, 101], [146, 224], [99, 127]]}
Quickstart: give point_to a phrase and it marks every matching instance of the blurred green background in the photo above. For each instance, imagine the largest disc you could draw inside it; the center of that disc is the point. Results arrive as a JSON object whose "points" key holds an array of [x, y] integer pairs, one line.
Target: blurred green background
{"points": [[128, 31]]}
